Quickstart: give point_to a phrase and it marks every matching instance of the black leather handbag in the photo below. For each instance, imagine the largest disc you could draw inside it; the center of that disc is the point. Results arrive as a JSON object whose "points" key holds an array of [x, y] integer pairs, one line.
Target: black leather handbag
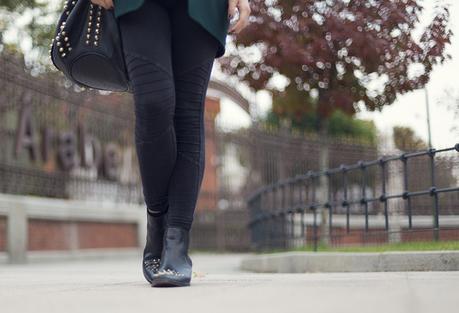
{"points": [[87, 47]]}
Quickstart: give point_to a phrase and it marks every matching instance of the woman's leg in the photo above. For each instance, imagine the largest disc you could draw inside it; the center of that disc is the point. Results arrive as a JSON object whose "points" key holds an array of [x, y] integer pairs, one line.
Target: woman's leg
{"points": [[193, 53], [146, 36]]}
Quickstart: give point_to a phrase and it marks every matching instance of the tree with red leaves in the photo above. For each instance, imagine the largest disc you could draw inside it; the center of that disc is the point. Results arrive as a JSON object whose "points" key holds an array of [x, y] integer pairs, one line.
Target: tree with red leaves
{"points": [[338, 54]]}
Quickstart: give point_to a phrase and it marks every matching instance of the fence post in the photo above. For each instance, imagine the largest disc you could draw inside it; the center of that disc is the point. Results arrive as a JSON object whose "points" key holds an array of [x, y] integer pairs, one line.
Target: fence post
{"points": [[303, 208], [382, 198], [434, 195], [323, 210], [329, 205], [313, 207], [406, 196], [345, 202]]}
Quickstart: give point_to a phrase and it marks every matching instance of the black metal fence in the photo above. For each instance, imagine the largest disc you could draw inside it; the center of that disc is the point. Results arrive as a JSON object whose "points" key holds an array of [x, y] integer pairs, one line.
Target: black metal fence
{"points": [[61, 142], [408, 197]]}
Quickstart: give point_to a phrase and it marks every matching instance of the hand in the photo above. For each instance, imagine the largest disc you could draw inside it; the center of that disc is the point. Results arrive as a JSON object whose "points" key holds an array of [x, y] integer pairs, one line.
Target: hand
{"points": [[106, 4], [244, 13]]}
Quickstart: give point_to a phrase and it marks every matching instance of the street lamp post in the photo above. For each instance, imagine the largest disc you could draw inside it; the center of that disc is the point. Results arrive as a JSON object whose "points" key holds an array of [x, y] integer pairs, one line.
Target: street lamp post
{"points": [[429, 132]]}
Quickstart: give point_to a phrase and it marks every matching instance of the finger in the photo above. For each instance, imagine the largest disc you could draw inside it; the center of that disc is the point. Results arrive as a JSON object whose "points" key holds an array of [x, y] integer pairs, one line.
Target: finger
{"points": [[240, 25], [232, 8], [243, 20], [101, 3], [244, 12], [106, 4], [236, 27]]}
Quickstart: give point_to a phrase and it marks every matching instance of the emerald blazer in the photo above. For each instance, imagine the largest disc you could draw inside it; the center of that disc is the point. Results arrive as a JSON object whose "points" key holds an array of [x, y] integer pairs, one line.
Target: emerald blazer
{"points": [[211, 14]]}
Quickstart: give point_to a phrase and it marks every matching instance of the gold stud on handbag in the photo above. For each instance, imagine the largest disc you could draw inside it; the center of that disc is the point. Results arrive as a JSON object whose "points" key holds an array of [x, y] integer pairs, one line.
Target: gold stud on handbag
{"points": [[87, 47]]}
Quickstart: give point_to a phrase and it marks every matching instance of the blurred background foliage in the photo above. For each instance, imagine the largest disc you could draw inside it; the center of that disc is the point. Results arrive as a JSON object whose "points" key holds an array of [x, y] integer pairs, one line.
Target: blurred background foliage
{"points": [[336, 54]]}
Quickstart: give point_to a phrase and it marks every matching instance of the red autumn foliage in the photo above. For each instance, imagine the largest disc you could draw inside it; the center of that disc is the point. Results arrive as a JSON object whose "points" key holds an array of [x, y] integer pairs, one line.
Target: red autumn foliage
{"points": [[335, 48]]}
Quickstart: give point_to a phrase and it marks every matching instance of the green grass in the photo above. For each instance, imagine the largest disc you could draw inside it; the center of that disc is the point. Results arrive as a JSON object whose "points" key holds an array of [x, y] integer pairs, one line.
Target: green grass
{"points": [[403, 246]]}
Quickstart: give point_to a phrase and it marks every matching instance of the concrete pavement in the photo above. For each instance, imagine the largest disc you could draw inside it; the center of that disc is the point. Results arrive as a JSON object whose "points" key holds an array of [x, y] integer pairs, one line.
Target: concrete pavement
{"points": [[219, 286]]}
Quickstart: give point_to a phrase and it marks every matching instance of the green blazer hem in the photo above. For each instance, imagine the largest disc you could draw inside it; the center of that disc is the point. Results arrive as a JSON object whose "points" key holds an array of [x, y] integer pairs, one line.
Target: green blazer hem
{"points": [[212, 15]]}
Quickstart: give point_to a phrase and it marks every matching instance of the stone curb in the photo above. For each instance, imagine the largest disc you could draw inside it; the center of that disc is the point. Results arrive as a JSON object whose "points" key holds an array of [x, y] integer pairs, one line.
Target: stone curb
{"points": [[302, 262]]}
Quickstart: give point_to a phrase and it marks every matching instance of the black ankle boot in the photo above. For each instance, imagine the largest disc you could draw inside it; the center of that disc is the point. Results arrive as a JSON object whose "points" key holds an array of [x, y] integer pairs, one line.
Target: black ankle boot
{"points": [[156, 227], [175, 268]]}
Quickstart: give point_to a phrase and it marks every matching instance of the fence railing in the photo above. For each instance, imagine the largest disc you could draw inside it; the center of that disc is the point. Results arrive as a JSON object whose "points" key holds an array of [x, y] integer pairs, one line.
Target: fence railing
{"points": [[369, 201]]}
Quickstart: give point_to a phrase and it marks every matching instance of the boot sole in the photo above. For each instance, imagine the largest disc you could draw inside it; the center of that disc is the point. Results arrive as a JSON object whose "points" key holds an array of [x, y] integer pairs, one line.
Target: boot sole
{"points": [[168, 282]]}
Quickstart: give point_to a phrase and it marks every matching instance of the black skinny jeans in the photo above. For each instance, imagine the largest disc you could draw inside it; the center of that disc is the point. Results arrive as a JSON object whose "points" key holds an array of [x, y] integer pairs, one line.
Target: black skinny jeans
{"points": [[169, 58]]}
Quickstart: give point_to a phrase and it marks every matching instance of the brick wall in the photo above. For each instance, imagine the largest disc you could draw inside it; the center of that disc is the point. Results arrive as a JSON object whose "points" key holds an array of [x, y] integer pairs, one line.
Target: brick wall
{"points": [[63, 235], [48, 235], [340, 237], [107, 235], [357, 236], [427, 234]]}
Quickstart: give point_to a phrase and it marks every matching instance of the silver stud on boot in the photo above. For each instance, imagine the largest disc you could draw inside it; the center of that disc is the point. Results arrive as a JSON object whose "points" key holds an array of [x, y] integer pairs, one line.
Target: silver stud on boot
{"points": [[169, 272], [152, 264]]}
